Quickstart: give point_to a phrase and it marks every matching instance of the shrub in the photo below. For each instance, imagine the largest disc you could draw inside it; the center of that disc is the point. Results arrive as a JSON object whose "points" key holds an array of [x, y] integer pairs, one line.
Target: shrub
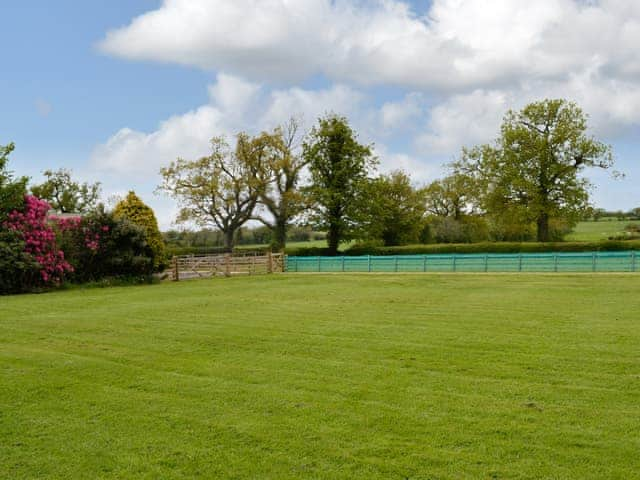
{"points": [[19, 272], [467, 229], [101, 245], [39, 239], [137, 212], [482, 247]]}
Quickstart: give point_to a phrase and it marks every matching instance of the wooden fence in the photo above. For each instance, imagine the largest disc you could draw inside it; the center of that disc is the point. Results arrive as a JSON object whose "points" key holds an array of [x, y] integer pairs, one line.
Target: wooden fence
{"points": [[206, 266]]}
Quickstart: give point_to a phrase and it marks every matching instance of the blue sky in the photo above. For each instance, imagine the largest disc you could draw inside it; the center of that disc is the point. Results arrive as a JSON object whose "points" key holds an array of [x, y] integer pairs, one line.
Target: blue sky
{"points": [[86, 87]]}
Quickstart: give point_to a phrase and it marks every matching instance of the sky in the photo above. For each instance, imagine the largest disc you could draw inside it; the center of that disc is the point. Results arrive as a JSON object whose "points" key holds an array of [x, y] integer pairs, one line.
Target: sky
{"points": [[115, 90]]}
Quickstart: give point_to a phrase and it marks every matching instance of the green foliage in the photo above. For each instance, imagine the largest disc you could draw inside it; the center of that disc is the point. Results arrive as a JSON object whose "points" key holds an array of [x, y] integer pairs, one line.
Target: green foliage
{"points": [[18, 270], [220, 190], [451, 196], [66, 195], [281, 171], [465, 229], [339, 166], [481, 247], [12, 190], [390, 209], [137, 212], [533, 169], [105, 246]]}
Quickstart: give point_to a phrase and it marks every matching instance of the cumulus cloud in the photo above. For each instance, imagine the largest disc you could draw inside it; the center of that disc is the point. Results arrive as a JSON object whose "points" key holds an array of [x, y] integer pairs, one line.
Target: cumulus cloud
{"points": [[403, 113], [463, 120], [132, 152], [455, 44], [235, 104]]}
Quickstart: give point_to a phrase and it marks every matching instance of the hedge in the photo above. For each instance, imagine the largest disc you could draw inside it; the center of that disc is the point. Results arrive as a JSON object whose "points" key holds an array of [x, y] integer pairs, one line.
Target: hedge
{"points": [[483, 247]]}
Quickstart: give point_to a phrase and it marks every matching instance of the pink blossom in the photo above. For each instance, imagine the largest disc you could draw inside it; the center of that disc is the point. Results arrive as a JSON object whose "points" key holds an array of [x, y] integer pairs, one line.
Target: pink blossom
{"points": [[39, 238]]}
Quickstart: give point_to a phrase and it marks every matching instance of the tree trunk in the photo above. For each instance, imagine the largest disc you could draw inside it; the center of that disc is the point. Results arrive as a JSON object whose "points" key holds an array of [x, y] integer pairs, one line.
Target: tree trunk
{"points": [[333, 239], [543, 227], [279, 235], [228, 240]]}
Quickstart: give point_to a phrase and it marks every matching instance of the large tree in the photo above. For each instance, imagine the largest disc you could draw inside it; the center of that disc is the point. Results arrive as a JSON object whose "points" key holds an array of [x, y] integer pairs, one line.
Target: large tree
{"points": [[66, 195], [533, 169], [282, 169], [339, 165], [220, 190], [391, 210]]}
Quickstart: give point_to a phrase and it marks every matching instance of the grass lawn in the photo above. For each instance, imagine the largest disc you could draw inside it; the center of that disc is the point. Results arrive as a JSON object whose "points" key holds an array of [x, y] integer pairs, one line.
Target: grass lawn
{"points": [[325, 376], [596, 231]]}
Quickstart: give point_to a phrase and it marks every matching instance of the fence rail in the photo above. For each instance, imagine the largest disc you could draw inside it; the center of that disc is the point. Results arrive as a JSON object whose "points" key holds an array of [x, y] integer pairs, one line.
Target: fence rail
{"points": [[206, 266], [524, 262]]}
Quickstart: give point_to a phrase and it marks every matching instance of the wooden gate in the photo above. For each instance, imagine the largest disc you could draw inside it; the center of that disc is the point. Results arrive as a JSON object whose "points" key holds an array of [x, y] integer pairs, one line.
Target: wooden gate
{"points": [[207, 266]]}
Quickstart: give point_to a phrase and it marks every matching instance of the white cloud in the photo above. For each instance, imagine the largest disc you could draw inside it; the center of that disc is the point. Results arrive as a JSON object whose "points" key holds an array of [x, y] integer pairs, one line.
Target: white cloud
{"points": [[457, 44], [422, 170], [133, 152], [235, 105], [464, 120], [403, 113]]}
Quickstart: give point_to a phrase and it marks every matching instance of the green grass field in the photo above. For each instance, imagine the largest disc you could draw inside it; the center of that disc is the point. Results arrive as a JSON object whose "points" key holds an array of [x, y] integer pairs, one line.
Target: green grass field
{"points": [[325, 376], [596, 231]]}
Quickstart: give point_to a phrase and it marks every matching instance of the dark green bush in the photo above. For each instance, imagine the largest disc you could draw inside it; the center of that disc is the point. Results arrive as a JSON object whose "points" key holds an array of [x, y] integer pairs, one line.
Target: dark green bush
{"points": [[103, 246], [18, 270], [489, 247]]}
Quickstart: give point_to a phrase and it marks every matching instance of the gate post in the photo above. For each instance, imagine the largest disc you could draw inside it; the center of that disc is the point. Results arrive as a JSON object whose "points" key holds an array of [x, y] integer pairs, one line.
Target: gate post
{"points": [[227, 264], [269, 262], [176, 270]]}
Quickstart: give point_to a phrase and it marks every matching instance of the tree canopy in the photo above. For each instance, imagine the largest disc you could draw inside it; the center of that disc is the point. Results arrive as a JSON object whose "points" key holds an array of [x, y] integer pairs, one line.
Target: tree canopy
{"points": [[221, 189], [391, 209], [282, 170], [339, 165], [66, 195], [533, 169]]}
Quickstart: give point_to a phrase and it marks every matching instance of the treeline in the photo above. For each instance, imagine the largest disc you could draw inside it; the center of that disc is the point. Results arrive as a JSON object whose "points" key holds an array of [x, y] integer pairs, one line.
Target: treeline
{"points": [[524, 186], [600, 214], [58, 232], [257, 235]]}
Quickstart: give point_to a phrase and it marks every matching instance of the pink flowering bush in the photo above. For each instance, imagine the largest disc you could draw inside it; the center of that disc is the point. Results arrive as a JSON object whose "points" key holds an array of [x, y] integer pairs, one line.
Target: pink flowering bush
{"points": [[39, 239], [100, 246]]}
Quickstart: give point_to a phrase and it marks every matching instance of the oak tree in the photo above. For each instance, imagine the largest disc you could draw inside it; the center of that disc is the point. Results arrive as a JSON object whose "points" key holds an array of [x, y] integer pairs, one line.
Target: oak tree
{"points": [[533, 169]]}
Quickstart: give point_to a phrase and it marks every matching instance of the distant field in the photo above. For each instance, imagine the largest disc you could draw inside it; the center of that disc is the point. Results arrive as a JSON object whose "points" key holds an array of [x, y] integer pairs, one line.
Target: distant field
{"points": [[326, 377], [602, 230]]}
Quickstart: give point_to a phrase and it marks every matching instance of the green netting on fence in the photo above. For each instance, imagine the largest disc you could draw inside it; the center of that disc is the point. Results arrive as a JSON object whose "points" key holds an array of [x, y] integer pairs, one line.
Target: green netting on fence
{"points": [[506, 262]]}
